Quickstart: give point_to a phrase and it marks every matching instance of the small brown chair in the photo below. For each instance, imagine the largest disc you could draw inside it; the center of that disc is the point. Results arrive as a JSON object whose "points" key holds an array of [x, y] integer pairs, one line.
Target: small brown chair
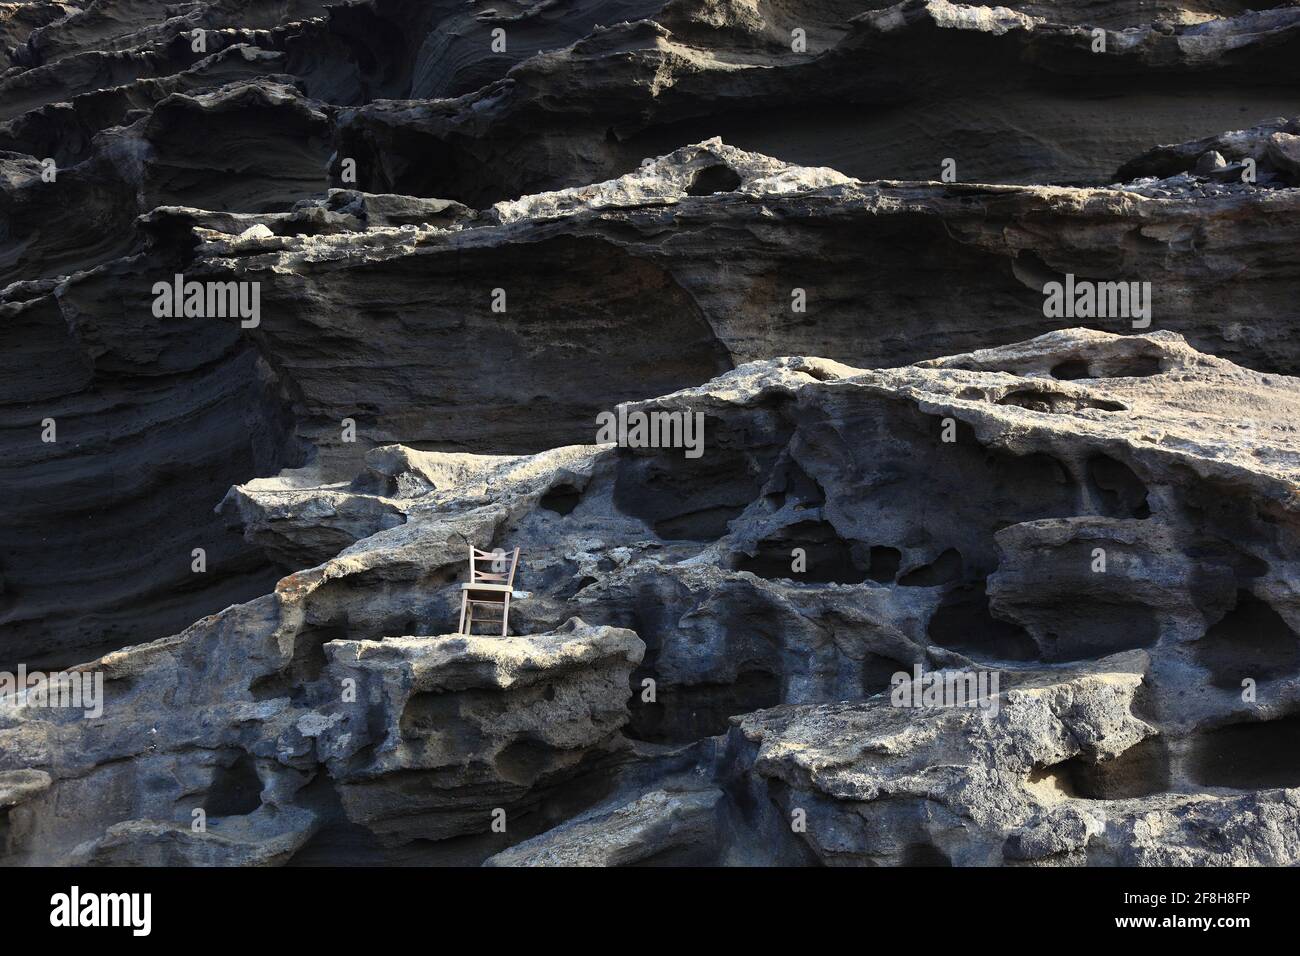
{"points": [[487, 589]]}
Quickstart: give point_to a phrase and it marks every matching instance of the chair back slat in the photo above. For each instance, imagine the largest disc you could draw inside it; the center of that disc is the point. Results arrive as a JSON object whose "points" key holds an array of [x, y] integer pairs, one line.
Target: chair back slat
{"points": [[492, 577]]}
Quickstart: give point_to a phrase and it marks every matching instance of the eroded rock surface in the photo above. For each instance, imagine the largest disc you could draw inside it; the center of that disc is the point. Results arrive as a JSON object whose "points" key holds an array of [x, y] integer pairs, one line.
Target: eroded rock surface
{"points": [[381, 311], [471, 231], [950, 515]]}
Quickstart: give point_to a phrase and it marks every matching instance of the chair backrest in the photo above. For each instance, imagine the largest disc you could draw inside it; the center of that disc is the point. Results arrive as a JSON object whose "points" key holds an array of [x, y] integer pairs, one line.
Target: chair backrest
{"points": [[489, 559]]}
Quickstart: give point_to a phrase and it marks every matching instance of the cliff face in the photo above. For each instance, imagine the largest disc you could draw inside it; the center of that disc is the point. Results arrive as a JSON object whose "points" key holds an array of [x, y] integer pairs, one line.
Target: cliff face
{"points": [[451, 238], [711, 643]]}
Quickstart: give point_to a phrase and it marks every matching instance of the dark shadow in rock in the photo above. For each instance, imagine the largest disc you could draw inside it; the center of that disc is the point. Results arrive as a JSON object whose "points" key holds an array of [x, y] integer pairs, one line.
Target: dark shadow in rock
{"points": [[523, 762], [1121, 493], [788, 481], [1252, 640], [1140, 771], [1071, 370], [924, 854], [1094, 628], [883, 564], [561, 499], [694, 499], [718, 178], [829, 558], [1037, 399], [306, 666], [706, 524], [944, 569], [963, 622], [686, 713], [426, 714], [878, 672], [1030, 486], [1134, 366], [340, 841], [235, 791], [1251, 756]]}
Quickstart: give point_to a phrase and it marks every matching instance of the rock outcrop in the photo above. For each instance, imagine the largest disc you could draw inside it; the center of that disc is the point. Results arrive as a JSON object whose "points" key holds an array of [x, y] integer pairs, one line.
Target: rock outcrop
{"points": [[379, 308], [444, 249], [1101, 525]]}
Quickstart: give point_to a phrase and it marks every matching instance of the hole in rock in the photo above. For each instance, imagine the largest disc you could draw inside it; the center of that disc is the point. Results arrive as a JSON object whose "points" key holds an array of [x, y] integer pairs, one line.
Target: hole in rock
{"points": [[1126, 366], [878, 672], [706, 524], [1221, 513], [235, 791], [694, 499], [432, 714], [884, 562], [686, 713], [829, 557], [1132, 366], [1052, 782], [718, 178], [1252, 756], [580, 584], [1070, 370], [1214, 556], [1092, 627], [1252, 640], [1119, 491], [925, 854], [1043, 400], [791, 481], [942, 570], [1035, 476], [963, 622], [1140, 771], [561, 499], [339, 840], [306, 666]]}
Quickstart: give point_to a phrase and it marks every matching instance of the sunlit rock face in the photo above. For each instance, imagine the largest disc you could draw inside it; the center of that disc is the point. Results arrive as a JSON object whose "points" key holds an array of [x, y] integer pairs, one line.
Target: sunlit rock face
{"points": [[968, 332]]}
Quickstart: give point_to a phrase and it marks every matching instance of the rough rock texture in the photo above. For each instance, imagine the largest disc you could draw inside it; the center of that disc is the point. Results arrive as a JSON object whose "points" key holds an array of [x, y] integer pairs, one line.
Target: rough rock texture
{"points": [[309, 728], [379, 309], [292, 744], [465, 251]]}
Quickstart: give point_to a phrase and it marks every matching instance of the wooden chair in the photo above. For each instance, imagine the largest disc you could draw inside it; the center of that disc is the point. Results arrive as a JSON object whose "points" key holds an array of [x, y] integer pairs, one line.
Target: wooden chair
{"points": [[487, 589]]}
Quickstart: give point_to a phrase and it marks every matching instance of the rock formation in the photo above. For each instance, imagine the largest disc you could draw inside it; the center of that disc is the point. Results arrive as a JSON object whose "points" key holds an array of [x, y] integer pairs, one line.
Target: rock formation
{"points": [[338, 715], [444, 243]]}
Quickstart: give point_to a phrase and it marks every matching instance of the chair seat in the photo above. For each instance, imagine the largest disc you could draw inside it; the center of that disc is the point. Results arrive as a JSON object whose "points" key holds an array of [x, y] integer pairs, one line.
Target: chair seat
{"points": [[486, 587]]}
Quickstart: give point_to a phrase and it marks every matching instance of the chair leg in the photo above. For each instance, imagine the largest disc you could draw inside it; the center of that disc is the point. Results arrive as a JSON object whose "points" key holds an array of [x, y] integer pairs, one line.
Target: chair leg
{"points": [[469, 623], [464, 602], [505, 614]]}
